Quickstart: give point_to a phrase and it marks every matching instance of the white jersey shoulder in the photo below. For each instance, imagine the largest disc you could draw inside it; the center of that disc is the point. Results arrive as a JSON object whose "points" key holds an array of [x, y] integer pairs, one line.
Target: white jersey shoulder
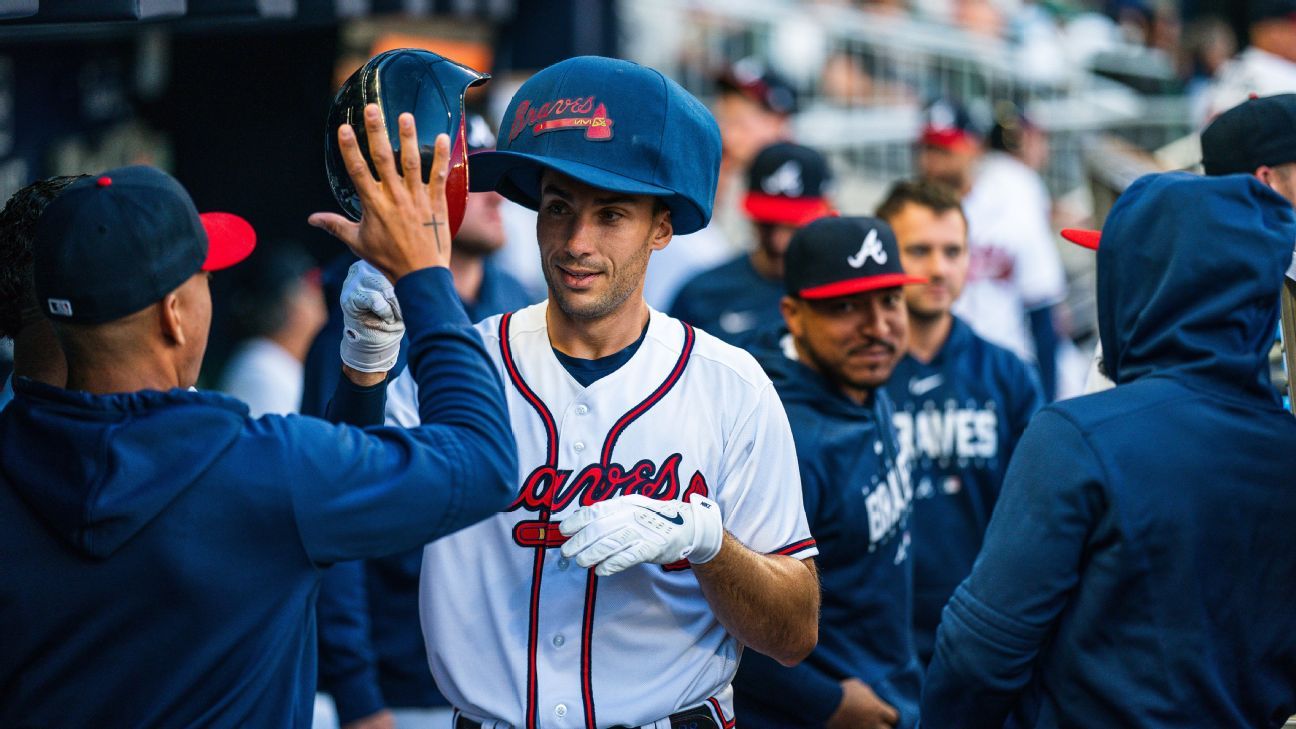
{"points": [[515, 633]]}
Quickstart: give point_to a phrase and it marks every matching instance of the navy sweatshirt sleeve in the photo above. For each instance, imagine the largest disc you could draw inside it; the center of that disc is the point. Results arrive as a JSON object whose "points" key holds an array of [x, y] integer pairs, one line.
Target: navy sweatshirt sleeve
{"points": [[365, 493], [993, 628]]}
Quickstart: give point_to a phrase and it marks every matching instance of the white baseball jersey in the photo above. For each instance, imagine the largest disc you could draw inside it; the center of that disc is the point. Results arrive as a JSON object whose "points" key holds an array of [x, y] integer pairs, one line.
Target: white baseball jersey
{"points": [[1013, 261], [515, 632]]}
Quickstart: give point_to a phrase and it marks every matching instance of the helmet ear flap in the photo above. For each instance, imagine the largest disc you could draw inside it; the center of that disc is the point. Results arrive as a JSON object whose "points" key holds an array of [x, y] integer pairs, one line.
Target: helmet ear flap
{"points": [[457, 181]]}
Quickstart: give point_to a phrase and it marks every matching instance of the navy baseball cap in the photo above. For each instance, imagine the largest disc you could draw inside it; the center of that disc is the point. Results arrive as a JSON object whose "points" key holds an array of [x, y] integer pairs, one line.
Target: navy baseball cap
{"points": [[611, 124], [833, 257], [1272, 10], [787, 184], [1259, 131], [114, 244], [752, 79]]}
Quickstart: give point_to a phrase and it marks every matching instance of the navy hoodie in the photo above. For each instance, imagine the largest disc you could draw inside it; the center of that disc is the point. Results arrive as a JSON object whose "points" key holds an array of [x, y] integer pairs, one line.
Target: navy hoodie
{"points": [[161, 551], [857, 501], [958, 418], [1138, 568]]}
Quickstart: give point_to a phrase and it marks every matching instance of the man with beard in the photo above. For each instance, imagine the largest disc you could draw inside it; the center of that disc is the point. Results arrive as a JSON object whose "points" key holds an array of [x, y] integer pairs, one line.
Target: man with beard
{"points": [[961, 402], [658, 526], [846, 328]]}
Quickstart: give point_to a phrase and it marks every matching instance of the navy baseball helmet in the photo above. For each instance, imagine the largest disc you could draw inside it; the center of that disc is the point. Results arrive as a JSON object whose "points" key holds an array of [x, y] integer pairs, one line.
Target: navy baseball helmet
{"points": [[429, 86], [611, 124]]}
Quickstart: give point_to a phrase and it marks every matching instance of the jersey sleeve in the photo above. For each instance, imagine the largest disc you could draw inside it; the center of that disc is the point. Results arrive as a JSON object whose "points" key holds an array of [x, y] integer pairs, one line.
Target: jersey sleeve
{"points": [[760, 486]]}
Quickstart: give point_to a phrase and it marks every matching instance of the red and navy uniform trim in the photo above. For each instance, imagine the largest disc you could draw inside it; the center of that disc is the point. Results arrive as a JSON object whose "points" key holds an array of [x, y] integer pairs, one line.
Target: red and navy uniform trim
{"points": [[715, 706], [537, 571], [591, 585], [551, 459], [795, 547]]}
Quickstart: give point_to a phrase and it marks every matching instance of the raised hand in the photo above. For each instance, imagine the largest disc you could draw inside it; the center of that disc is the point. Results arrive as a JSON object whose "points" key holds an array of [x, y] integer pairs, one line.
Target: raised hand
{"points": [[405, 223]]}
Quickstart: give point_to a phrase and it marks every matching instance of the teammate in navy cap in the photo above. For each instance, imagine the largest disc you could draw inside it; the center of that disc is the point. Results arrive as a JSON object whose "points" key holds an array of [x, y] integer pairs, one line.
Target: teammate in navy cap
{"points": [[845, 329], [162, 548], [787, 186], [961, 402], [657, 526], [1127, 573]]}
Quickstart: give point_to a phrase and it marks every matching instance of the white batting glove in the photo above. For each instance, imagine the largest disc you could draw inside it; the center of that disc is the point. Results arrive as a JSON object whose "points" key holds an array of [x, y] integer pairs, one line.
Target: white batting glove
{"points": [[634, 529], [371, 319]]}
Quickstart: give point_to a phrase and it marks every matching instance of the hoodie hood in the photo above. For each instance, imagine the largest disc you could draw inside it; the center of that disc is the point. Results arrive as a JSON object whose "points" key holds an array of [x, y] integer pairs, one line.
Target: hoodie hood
{"points": [[97, 468], [1189, 275]]}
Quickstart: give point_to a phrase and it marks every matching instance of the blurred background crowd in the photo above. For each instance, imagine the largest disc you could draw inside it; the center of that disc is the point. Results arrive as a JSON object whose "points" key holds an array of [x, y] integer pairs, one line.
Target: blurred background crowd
{"points": [[1078, 96]]}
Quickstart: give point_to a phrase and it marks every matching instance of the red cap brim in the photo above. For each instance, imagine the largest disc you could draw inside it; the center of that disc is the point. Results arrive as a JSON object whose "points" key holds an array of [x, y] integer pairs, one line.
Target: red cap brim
{"points": [[860, 285], [1086, 238], [956, 139], [230, 239], [779, 210]]}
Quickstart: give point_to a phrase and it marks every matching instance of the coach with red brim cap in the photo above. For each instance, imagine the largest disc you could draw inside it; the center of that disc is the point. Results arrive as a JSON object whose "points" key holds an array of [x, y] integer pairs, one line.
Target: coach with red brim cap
{"points": [[162, 548], [787, 187], [846, 329]]}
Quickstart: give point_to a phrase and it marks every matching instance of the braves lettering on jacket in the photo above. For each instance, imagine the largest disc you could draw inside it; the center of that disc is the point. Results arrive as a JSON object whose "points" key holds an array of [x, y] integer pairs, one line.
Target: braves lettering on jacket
{"points": [[858, 499], [519, 634], [958, 418]]}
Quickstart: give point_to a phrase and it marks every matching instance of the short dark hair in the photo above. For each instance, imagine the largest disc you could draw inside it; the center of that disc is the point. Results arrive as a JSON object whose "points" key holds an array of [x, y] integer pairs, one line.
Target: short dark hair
{"points": [[18, 305], [935, 196]]}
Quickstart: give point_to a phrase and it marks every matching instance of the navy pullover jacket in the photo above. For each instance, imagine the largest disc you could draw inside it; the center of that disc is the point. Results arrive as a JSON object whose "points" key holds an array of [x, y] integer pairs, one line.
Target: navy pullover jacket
{"points": [[857, 501], [1138, 567], [162, 550], [958, 418]]}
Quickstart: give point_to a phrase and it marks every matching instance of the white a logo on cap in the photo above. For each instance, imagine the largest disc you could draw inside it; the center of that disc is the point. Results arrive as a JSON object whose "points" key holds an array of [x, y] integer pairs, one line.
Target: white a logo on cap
{"points": [[60, 307], [786, 180], [870, 248]]}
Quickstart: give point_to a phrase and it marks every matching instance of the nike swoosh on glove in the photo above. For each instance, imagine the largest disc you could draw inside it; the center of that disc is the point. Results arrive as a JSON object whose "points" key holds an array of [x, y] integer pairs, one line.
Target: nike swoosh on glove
{"points": [[371, 320], [614, 535]]}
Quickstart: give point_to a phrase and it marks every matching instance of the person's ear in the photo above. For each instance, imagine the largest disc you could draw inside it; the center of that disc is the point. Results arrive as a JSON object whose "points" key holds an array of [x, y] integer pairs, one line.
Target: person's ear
{"points": [[170, 318], [663, 230], [792, 309], [1265, 174]]}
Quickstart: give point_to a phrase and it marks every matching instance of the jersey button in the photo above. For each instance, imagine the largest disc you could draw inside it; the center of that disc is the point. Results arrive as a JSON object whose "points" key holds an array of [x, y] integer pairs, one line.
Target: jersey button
{"points": [[560, 710], [578, 446], [558, 641], [563, 563], [581, 409]]}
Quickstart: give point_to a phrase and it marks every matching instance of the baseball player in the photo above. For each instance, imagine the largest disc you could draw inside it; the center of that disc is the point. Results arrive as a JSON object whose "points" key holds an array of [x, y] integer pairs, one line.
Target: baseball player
{"points": [[1128, 573], [1015, 275], [845, 330], [162, 548], [657, 527], [961, 402], [786, 187]]}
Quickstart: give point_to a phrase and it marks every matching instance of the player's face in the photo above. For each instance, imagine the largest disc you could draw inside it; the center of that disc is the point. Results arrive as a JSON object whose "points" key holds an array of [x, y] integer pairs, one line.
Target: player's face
{"points": [[482, 231], [594, 244], [773, 239], [854, 340], [950, 166], [932, 245]]}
